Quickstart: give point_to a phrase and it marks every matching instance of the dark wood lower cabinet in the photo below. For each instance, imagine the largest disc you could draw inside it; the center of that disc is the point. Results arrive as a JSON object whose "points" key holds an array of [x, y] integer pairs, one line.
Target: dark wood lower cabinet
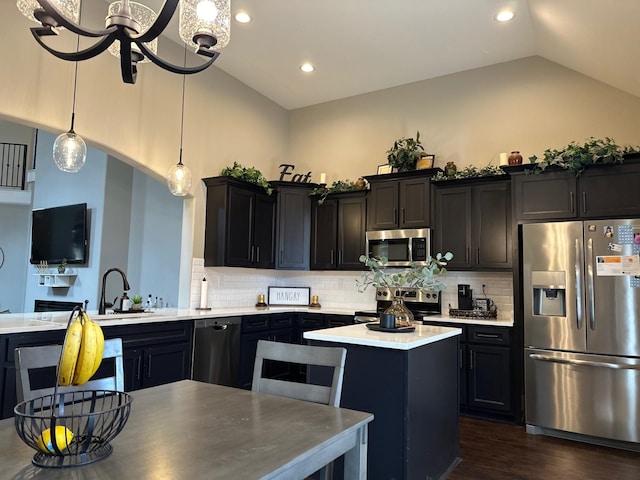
{"points": [[486, 373], [279, 327], [154, 354]]}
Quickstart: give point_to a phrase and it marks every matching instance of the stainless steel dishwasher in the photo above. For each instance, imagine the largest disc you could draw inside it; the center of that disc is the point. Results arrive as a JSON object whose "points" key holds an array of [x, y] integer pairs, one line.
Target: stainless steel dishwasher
{"points": [[216, 351]]}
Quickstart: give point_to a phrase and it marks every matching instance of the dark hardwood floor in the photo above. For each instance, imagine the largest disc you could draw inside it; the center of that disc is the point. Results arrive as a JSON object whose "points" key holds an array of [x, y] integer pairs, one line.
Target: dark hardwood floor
{"points": [[499, 451]]}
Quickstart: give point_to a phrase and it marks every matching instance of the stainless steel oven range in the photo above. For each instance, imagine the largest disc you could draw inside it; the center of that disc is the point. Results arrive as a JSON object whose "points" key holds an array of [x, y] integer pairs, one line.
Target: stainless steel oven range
{"points": [[422, 303]]}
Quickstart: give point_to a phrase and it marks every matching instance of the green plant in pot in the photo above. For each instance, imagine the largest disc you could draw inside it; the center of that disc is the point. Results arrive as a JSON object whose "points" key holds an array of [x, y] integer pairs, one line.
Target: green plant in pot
{"points": [[137, 302], [405, 153]]}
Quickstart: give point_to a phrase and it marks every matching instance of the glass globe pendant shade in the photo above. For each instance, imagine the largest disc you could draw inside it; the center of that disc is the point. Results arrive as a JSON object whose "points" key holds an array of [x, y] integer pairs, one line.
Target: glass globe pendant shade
{"points": [[69, 152], [179, 180], [70, 8], [145, 17], [200, 18]]}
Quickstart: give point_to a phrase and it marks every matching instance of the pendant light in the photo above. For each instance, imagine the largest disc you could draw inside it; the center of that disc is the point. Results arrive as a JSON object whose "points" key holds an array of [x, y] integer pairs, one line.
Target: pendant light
{"points": [[69, 149], [179, 176]]}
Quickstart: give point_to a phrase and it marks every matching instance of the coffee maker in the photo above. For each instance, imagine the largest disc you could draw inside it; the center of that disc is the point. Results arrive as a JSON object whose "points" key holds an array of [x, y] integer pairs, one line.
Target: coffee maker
{"points": [[465, 297]]}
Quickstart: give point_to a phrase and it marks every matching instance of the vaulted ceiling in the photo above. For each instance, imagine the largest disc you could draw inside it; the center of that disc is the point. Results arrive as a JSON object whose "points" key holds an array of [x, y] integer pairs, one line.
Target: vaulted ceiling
{"points": [[359, 46]]}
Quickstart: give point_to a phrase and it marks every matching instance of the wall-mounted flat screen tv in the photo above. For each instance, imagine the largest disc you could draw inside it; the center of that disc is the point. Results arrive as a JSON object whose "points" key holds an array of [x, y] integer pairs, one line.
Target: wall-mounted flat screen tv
{"points": [[59, 234]]}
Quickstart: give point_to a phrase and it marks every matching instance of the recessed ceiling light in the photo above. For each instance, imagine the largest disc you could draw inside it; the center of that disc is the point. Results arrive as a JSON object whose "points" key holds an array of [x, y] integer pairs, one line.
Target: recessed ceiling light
{"points": [[505, 16], [307, 67], [242, 17]]}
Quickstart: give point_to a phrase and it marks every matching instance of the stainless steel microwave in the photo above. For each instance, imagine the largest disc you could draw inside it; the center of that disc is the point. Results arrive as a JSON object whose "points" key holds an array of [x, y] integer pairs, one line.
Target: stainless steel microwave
{"points": [[400, 247]]}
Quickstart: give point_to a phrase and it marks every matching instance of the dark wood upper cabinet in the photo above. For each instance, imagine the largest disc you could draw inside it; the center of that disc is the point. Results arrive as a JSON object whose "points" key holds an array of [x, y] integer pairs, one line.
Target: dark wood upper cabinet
{"points": [[545, 196], [601, 191], [612, 191], [400, 200], [338, 232], [293, 226], [240, 224], [473, 221]]}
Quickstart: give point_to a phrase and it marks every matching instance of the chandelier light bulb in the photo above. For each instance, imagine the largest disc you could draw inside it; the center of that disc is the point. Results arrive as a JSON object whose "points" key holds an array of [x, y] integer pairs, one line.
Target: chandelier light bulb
{"points": [[179, 180], [69, 152], [207, 11]]}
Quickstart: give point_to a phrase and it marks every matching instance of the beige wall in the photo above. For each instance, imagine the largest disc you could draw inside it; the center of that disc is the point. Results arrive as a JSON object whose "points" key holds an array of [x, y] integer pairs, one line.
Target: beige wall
{"points": [[225, 120], [469, 118]]}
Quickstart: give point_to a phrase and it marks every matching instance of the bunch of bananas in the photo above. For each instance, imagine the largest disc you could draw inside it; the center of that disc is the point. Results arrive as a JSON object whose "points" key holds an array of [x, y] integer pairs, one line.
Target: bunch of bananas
{"points": [[82, 351]]}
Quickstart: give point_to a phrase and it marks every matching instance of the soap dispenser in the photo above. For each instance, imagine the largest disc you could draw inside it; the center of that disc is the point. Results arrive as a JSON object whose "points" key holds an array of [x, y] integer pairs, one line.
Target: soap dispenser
{"points": [[125, 303]]}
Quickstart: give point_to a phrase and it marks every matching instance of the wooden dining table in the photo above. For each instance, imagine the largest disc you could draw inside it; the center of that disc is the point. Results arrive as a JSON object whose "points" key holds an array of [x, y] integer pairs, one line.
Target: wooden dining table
{"points": [[193, 430]]}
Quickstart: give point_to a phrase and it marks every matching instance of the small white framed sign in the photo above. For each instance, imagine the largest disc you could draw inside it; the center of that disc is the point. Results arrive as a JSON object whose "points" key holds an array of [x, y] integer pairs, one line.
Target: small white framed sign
{"points": [[289, 295]]}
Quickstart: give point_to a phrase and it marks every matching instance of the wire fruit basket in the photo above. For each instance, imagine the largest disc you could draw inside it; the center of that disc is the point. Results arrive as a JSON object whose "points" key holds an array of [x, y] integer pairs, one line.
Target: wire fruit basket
{"points": [[84, 423], [71, 428]]}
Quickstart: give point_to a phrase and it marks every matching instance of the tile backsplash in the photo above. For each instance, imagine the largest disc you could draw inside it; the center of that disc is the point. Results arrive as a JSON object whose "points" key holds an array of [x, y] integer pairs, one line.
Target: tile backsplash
{"points": [[240, 287]]}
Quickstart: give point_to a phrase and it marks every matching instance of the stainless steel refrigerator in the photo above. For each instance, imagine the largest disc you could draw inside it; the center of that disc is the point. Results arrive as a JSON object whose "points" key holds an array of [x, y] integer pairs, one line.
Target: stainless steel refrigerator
{"points": [[581, 284]]}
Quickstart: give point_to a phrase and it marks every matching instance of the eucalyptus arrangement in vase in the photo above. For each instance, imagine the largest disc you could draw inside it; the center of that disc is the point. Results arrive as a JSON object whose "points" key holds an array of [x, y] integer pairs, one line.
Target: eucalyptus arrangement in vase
{"points": [[426, 277]]}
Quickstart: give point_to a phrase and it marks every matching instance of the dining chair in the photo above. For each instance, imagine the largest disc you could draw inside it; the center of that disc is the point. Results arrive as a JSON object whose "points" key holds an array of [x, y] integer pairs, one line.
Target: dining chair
{"points": [[305, 355], [28, 359]]}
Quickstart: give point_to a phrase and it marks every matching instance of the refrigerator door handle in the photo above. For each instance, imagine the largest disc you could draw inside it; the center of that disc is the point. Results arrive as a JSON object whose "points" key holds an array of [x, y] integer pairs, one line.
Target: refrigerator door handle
{"points": [[590, 294], [587, 363], [579, 285]]}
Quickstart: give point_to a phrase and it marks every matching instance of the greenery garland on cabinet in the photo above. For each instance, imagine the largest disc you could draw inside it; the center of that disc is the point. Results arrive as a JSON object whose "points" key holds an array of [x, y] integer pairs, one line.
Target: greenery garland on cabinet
{"points": [[576, 158], [250, 174], [338, 186]]}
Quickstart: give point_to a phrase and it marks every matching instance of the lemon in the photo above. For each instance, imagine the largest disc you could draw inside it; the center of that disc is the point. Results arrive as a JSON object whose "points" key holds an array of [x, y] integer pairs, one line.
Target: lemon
{"points": [[63, 439]]}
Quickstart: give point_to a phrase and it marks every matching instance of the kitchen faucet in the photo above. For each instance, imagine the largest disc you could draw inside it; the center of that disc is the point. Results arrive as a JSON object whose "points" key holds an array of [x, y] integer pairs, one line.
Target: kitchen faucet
{"points": [[125, 286]]}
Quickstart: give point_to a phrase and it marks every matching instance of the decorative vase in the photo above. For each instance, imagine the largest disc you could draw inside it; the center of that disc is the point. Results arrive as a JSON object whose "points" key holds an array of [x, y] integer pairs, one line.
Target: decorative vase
{"points": [[404, 317], [515, 158], [360, 183], [450, 169]]}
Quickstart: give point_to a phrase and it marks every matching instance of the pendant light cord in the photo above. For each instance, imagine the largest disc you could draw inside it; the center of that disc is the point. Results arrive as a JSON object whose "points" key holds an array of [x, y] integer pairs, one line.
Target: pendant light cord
{"points": [[184, 77], [75, 75]]}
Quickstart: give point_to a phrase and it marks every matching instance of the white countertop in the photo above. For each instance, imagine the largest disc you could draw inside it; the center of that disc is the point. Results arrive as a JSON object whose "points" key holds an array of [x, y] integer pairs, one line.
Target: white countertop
{"points": [[34, 322], [359, 334], [496, 322]]}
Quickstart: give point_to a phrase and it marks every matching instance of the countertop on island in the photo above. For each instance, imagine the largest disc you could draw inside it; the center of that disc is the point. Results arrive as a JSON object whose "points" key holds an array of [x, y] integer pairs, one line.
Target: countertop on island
{"points": [[359, 334]]}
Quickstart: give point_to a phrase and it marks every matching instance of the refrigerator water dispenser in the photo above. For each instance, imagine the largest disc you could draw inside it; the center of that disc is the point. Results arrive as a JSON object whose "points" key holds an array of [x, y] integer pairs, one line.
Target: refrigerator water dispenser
{"points": [[549, 302], [549, 293]]}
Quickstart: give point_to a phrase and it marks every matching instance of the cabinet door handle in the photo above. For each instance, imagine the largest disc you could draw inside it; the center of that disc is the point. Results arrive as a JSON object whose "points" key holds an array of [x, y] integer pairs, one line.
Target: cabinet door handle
{"points": [[478, 256], [149, 369], [395, 215], [461, 355], [251, 256], [584, 202], [466, 256], [572, 207], [470, 359], [138, 370], [331, 262], [257, 254], [487, 335], [404, 215], [339, 257]]}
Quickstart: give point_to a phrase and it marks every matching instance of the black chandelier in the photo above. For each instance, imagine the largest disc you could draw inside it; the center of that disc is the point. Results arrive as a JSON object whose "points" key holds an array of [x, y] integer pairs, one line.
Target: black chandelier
{"points": [[203, 24]]}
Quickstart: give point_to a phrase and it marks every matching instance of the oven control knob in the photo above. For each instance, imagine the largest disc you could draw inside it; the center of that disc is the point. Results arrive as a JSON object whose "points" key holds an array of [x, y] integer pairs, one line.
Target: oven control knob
{"points": [[428, 295]]}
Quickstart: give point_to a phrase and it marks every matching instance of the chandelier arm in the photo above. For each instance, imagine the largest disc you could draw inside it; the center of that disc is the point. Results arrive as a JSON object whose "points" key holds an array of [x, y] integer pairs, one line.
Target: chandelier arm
{"points": [[175, 68], [128, 68], [80, 55], [162, 21], [70, 25]]}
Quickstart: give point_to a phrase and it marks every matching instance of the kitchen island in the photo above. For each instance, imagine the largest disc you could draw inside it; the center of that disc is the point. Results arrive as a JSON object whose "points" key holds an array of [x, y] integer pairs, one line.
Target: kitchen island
{"points": [[410, 382]]}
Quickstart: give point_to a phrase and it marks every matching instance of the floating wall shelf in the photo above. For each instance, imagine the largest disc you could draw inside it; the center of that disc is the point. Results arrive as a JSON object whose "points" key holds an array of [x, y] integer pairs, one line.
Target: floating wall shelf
{"points": [[55, 280]]}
